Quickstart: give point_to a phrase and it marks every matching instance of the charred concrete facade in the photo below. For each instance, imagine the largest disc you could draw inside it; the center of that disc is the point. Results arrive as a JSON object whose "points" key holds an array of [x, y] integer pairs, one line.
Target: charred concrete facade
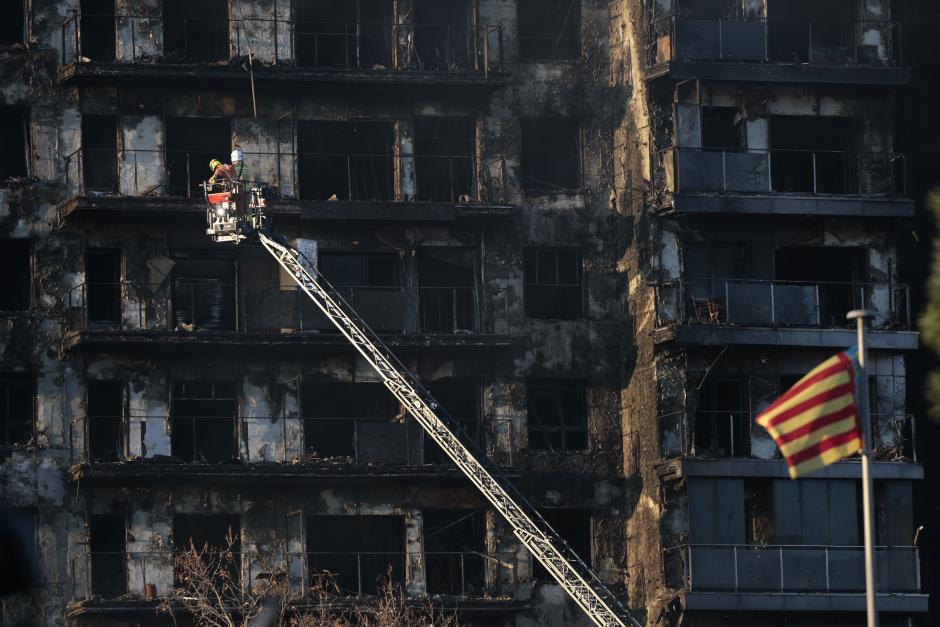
{"points": [[601, 237]]}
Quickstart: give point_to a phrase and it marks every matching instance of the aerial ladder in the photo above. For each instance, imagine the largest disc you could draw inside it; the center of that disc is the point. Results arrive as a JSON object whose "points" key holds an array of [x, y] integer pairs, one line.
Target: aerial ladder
{"points": [[236, 214]]}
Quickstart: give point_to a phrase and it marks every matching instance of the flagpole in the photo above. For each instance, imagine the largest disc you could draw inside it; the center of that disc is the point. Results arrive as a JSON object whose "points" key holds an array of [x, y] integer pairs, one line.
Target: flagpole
{"points": [[860, 316]]}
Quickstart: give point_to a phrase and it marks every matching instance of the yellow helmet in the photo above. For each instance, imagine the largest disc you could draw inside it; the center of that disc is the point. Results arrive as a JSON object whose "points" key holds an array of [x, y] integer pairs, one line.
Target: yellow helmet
{"points": [[214, 164]]}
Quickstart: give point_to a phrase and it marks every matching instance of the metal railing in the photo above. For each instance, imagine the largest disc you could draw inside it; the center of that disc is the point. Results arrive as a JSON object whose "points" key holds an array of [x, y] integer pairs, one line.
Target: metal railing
{"points": [[869, 43], [784, 171], [193, 304], [790, 568], [361, 46], [893, 435], [764, 303], [460, 179]]}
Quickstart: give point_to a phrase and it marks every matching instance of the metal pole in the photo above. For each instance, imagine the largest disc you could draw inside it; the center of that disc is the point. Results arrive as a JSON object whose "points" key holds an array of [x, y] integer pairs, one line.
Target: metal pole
{"points": [[860, 315]]}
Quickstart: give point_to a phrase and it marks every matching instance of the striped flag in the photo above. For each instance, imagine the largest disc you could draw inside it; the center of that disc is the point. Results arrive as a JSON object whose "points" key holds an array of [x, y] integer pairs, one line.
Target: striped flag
{"points": [[815, 423]]}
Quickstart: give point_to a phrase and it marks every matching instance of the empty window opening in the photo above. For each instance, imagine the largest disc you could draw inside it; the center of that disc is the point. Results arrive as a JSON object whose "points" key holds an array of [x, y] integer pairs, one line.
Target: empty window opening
{"points": [[551, 154], [99, 152], [815, 155], [16, 409], [204, 424], [103, 286], [98, 29], [722, 128], [105, 420], [444, 163], [353, 34], [13, 26], [354, 421], [20, 551], [805, 31], [549, 29], [14, 131], [722, 420], [574, 527], [455, 551], [371, 283], [361, 551], [557, 415], [203, 295], [16, 279], [461, 399], [447, 295], [108, 545], [196, 31], [553, 283], [345, 160], [219, 535], [191, 143], [442, 37], [837, 275]]}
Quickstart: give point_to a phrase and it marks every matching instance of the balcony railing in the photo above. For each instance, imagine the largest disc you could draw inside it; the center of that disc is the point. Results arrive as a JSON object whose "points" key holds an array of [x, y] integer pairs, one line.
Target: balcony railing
{"points": [[294, 175], [360, 46], [759, 303], [729, 435], [762, 40], [210, 305], [790, 568], [783, 171], [277, 440]]}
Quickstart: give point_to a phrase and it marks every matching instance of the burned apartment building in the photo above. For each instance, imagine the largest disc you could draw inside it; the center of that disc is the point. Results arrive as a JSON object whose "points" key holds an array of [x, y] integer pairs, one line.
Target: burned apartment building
{"points": [[604, 234]]}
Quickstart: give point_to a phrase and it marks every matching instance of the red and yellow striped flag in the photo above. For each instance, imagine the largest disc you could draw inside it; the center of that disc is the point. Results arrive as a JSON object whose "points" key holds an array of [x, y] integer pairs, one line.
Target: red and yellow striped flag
{"points": [[815, 423]]}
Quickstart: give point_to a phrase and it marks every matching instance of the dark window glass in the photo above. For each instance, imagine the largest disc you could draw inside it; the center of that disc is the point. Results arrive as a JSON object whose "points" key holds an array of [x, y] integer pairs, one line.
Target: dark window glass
{"points": [[557, 415], [99, 152], [108, 555], [196, 31], [13, 24], [722, 128], [574, 526], [204, 421], [444, 148], [16, 409], [551, 154], [549, 29], [553, 283], [14, 124], [105, 419], [16, 279]]}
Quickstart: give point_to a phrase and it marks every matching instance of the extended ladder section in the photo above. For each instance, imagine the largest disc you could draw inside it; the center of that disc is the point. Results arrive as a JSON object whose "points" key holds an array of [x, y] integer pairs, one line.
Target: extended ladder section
{"points": [[533, 531]]}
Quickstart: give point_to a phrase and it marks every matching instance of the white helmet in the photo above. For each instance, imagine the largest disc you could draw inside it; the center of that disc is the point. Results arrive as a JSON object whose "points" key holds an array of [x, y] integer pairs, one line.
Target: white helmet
{"points": [[237, 155]]}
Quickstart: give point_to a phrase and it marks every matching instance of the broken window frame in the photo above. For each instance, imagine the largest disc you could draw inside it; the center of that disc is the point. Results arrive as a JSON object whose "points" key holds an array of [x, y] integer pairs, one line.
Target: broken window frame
{"points": [[462, 569], [430, 151], [117, 421], [536, 158], [22, 432], [710, 112], [571, 20], [737, 444], [356, 35], [24, 9], [107, 584], [22, 114], [185, 54], [184, 418], [555, 291], [569, 427], [23, 301]]}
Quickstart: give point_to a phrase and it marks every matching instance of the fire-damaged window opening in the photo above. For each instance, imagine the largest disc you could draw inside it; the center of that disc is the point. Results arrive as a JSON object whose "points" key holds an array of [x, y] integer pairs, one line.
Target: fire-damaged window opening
{"points": [[551, 154], [98, 29], [553, 283], [447, 289], [557, 414], [99, 152], [356, 34], [360, 551], [462, 398], [371, 283], [723, 128], [574, 525], [13, 26], [815, 155], [442, 37], [709, 8], [105, 420], [191, 143], [807, 31], [203, 294], [722, 419], [345, 160], [14, 134], [107, 543], [21, 553], [214, 533], [204, 422], [549, 29], [103, 286], [17, 394], [16, 278], [353, 421], [455, 551], [838, 276], [196, 31], [444, 162]]}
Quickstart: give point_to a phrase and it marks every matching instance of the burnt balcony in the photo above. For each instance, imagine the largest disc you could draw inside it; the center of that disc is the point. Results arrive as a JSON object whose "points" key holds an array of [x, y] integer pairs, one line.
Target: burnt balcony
{"points": [[830, 51], [219, 51], [782, 313], [781, 182], [792, 577]]}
